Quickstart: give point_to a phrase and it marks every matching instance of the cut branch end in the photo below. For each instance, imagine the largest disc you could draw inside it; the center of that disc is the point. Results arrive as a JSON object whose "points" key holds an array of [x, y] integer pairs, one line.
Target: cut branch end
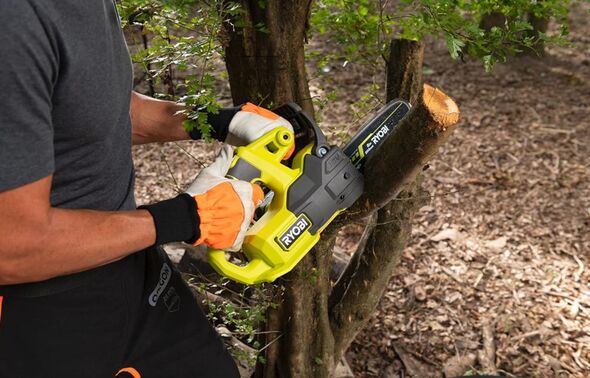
{"points": [[443, 110]]}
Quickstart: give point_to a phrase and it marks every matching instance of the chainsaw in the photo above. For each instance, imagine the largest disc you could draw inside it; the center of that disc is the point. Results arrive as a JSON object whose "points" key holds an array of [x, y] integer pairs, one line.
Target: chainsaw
{"points": [[303, 193]]}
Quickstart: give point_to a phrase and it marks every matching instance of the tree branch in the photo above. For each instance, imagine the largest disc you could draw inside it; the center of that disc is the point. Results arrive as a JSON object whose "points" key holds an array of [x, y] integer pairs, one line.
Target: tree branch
{"points": [[406, 151], [370, 278], [404, 70], [356, 295], [347, 276]]}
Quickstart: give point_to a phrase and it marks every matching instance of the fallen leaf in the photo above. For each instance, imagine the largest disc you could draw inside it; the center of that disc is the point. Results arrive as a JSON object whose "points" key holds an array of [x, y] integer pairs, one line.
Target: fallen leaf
{"points": [[458, 365], [447, 234], [497, 244], [419, 292]]}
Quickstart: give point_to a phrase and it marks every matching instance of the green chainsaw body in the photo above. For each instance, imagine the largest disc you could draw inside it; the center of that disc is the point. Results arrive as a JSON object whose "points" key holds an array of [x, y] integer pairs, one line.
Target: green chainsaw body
{"points": [[277, 241], [307, 192]]}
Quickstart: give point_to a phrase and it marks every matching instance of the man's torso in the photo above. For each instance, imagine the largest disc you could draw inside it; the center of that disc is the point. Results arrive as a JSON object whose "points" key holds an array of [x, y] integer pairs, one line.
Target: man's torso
{"points": [[92, 141], [77, 48], [69, 77]]}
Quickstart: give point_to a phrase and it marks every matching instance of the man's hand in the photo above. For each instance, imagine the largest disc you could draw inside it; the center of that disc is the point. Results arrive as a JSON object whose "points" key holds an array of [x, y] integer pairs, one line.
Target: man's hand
{"points": [[214, 210], [252, 122], [225, 206]]}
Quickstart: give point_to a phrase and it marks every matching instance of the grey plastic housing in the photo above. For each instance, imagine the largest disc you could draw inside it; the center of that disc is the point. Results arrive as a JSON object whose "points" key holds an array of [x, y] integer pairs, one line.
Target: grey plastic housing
{"points": [[243, 170], [327, 184]]}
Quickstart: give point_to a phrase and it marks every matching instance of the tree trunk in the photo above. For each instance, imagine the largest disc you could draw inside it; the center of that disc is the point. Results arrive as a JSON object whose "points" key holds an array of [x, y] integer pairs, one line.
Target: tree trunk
{"points": [[388, 231], [265, 58], [493, 19], [406, 151], [368, 275], [404, 70], [265, 62], [540, 25]]}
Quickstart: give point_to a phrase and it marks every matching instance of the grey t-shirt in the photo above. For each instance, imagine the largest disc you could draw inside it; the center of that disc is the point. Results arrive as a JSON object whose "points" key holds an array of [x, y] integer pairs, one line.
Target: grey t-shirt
{"points": [[65, 87]]}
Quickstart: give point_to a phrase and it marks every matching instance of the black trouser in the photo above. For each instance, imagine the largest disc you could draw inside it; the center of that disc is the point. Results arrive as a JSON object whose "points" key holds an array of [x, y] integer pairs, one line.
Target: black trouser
{"points": [[139, 315]]}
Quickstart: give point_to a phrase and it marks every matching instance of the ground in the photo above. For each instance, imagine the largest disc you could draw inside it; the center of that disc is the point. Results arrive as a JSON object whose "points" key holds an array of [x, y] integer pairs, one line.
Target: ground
{"points": [[505, 238]]}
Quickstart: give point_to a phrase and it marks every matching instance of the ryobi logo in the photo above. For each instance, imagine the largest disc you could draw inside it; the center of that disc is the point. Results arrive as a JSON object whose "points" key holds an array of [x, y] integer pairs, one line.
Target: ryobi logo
{"points": [[287, 238], [165, 274], [376, 138]]}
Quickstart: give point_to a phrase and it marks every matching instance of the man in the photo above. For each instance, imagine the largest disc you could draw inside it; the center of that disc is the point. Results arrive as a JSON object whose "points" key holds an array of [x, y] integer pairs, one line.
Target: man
{"points": [[84, 292]]}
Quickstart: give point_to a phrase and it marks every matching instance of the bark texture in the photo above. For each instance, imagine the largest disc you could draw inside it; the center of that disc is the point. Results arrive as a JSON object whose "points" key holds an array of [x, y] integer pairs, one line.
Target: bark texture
{"points": [[540, 25], [404, 70], [307, 346], [366, 279], [265, 58]]}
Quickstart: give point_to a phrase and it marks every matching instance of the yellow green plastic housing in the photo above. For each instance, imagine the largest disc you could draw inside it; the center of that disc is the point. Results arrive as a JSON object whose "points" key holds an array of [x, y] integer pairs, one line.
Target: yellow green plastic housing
{"points": [[267, 259]]}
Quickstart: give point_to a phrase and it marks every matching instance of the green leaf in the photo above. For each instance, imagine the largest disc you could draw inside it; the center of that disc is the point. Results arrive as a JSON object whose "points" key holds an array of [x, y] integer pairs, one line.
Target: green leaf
{"points": [[427, 71], [454, 45], [489, 62]]}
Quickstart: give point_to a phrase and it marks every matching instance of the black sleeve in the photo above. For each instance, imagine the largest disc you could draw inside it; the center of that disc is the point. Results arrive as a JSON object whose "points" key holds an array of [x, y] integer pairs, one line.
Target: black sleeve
{"points": [[219, 123], [27, 73]]}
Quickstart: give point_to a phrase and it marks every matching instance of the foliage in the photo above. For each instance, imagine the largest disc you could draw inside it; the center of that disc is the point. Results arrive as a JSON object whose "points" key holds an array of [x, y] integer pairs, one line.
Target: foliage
{"points": [[183, 36], [363, 28], [360, 27], [245, 316]]}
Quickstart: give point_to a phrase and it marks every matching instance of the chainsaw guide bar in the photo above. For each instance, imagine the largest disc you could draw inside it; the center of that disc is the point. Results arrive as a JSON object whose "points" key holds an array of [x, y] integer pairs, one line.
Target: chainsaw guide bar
{"points": [[374, 133]]}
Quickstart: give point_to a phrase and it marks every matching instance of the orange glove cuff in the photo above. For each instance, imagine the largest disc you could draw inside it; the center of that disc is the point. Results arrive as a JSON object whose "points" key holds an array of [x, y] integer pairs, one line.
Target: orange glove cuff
{"points": [[250, 107]]}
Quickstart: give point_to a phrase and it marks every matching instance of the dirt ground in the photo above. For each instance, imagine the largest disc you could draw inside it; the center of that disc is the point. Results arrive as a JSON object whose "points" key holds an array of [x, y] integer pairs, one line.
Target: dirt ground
{"points": [[505, 239]]}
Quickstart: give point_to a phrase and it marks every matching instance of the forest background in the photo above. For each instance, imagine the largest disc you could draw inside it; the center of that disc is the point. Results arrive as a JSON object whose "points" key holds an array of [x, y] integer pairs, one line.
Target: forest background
{"points": [[502, 243]]}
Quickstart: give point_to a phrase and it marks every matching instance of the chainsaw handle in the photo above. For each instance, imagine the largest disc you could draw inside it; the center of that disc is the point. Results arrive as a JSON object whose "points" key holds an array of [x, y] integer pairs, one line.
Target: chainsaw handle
{"points": [[275, 142], [258, 162], [305, 128], [246, 274], [242, 170]]}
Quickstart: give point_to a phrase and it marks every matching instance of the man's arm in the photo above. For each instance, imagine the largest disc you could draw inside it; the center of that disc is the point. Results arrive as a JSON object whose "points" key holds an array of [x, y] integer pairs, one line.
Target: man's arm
{"points": [[154, 120], [40, 242]]}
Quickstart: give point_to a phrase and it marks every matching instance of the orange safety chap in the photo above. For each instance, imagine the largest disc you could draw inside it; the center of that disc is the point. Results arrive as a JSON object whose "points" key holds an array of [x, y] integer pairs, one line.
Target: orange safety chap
{"points": [[131, 371]]}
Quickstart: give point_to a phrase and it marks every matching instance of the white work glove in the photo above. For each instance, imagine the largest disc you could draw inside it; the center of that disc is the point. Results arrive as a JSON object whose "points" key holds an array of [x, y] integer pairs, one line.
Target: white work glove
{"points": [[225, 206], [252, 122]]}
